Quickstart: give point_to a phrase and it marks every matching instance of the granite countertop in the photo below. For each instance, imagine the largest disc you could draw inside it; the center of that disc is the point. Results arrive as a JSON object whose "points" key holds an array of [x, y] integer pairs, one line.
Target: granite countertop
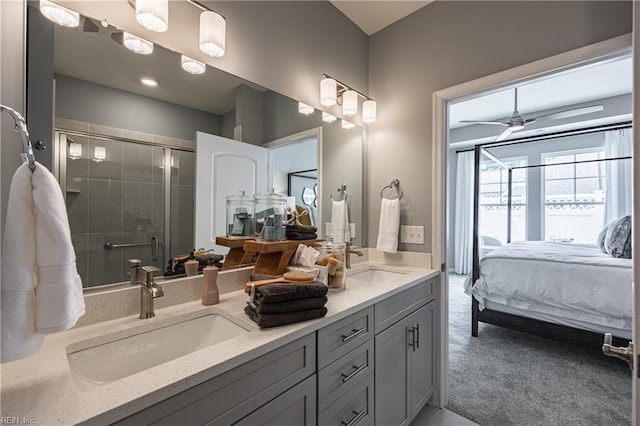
{"points": [[40, 389]]}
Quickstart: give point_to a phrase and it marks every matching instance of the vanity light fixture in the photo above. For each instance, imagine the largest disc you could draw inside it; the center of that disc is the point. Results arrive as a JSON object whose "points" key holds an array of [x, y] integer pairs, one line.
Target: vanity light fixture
{"points": [[212, 33], [137, 44], [153, 14], [347, 124], [333, 92], [75, 150], [305, 109], [148, 81], [58, 14], [99, 154], [328, 117], [192, 66]]}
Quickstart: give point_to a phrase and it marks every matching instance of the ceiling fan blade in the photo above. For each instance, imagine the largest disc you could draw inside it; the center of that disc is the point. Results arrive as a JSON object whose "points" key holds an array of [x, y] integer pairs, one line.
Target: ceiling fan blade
{"points": [[484, 122], [507, 132], [569, 113]]}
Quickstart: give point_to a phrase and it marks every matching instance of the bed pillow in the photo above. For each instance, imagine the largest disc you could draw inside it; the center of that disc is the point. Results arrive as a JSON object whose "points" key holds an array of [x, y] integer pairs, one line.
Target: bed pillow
{"points": [[618, 238], [601, 237]]}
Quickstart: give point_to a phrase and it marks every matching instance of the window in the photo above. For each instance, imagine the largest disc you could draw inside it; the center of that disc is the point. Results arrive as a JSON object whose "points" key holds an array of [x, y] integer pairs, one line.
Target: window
{"points": [[494, 190], [574, 196]]}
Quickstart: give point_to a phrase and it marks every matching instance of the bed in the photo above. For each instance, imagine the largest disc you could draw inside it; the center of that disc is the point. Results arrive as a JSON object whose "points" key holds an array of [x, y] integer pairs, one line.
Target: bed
{"points": [[556, 288]]}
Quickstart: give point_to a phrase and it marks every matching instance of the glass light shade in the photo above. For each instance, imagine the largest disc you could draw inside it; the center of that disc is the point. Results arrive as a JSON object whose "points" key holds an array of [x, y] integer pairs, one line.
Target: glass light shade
{"points": [[192, 66], [212, 34], [349, 103], [137, 44], [58, 14], [153, 14], [99, 154], [305, 109], [369, 111], [347, 124], [328, 91], [328, 117], [75, 150]]}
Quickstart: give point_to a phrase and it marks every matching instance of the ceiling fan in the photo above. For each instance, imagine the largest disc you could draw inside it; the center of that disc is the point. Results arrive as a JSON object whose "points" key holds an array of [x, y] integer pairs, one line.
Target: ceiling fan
{"points": [[517, 122]]}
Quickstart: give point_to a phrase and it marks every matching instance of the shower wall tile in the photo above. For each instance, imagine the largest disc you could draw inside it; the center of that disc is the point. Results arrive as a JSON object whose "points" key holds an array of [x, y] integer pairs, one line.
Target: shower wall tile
{"points": [[186, 212], [105, 206], [79, 167], [157, 171], [187, 144], [63, 123], [187, 168], [138, 163], [106, 130], [138, 136], [104, 266], [157, 193], [163, 140], [77, 201], [137, 211]]}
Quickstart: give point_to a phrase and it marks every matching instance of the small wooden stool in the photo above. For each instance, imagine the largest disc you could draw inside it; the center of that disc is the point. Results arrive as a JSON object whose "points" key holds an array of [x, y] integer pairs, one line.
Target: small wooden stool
{"points": [[237, 256], [274, 256]]}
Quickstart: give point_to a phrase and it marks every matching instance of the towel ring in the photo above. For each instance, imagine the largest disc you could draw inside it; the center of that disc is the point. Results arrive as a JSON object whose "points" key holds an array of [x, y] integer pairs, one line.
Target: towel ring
{"points": [[395, 183], [342, 189]]}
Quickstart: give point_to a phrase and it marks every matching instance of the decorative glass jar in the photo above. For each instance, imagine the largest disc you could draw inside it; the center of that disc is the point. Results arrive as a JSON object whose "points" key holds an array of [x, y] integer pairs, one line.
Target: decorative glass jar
{"points": [[239, 215], [333, 256], [270, 213]]}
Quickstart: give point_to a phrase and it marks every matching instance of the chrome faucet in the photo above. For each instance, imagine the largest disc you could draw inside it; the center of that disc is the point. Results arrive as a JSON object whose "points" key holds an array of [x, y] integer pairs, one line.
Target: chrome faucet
{"points": [[148, 291], [135, 271], [350, 252]]}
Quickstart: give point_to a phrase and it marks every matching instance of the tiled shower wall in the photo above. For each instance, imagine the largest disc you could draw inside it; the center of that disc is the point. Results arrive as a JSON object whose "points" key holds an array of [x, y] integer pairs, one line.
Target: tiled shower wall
{"points": [[121, 200]]}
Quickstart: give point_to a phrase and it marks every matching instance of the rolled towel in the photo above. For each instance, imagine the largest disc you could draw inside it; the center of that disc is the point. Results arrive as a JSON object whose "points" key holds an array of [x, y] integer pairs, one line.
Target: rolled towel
{"points": [[275, 293], [274, 320], [291, 306]]}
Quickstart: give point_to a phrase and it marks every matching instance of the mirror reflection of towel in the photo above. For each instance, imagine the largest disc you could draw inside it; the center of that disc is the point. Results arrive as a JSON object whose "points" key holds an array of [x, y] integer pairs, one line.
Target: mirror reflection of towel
{"points": [[389, 226], [340, 222]]}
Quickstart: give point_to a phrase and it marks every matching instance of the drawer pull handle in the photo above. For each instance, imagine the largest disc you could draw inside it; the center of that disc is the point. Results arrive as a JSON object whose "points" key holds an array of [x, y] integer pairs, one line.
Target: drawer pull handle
{"points": [[355, 418], [347, 377], [417, 335], [353, 335], [412, 330]]}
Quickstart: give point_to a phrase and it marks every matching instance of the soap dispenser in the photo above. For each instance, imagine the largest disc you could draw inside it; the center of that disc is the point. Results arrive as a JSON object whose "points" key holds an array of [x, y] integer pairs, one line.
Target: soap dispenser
{"points": [[210, 294]]}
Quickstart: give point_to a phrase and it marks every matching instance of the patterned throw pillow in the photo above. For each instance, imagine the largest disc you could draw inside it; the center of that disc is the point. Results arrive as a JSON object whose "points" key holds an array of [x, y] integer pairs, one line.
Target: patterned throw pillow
{"points": [[618, 238], [601, 237]]}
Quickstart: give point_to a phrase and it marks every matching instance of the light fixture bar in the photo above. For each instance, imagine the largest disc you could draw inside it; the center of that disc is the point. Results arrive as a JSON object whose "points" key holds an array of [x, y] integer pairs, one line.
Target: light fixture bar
{"points": [[342, 87]]}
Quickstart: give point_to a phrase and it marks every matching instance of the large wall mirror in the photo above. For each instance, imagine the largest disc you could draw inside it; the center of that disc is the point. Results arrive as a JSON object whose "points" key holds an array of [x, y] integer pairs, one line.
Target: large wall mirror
{"points": [[125, 153]]}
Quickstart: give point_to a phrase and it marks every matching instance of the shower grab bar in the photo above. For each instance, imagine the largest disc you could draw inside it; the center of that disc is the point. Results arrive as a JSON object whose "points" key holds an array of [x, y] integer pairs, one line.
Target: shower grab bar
{"points": [[155, 244]]}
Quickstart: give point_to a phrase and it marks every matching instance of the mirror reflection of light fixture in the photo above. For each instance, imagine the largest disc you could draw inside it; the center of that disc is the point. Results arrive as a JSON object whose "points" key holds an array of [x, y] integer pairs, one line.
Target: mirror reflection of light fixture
{"points": [[305, 109], [328, 117], [212, 33], [148, 81], [333, 91], [58, 14], [153, 14], [137, 44], [192, 66], [328, 91], [75, 150], [99, 154], [347, 124]]}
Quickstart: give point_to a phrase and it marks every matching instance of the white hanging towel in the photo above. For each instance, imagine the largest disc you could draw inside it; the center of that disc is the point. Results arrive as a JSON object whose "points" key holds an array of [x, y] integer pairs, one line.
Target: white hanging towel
{"points": [[41, 288], [389, 225], [340, 222]]}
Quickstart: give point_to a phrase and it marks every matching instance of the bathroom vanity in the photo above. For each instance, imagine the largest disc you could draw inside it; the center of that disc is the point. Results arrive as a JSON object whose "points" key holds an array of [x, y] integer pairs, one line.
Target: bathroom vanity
{"points": [[370, 360]]}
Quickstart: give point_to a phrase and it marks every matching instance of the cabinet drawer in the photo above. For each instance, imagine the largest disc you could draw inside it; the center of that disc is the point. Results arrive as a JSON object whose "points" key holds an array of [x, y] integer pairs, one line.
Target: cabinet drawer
{"points": [[232, 395], [353, 408], [343, 336], [340, 376], [393, 309]]}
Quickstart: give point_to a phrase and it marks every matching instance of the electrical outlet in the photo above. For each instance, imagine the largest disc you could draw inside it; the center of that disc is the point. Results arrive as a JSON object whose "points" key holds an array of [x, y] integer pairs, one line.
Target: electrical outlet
{"points": [[412, 234]]}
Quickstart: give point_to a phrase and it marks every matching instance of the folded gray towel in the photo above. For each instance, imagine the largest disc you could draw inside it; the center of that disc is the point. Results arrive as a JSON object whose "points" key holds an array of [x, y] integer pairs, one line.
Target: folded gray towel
{"points": [[291, 306], [274, 293], [274, 320]]}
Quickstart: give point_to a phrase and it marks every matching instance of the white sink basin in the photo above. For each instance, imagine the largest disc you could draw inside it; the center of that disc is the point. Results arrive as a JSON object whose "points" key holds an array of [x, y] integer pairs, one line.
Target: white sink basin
{"points": [[121, 357], [377, 275]]}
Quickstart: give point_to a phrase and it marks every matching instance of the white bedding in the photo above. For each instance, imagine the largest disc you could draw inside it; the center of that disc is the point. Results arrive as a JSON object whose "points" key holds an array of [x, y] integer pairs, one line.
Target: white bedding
{"points": [[573, 281]]}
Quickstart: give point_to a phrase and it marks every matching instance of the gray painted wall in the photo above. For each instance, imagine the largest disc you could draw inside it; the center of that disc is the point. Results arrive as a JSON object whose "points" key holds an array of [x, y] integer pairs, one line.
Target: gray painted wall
{"points": [[250, 114], [448, 43], [93, 103]]}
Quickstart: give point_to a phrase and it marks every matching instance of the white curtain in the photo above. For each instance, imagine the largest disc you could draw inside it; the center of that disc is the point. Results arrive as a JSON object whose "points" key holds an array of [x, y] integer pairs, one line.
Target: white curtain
{"points": [[463, 215], [619, 178]]}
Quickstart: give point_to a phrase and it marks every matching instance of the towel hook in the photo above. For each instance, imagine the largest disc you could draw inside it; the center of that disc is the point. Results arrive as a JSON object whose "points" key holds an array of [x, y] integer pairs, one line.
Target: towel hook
{"points": [[395, 183], [342, 189], [21, 127]]}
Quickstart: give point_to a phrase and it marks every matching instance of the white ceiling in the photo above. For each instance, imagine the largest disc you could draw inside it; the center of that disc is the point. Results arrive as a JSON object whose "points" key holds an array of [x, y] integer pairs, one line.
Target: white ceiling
{"points": [[372, 16]]}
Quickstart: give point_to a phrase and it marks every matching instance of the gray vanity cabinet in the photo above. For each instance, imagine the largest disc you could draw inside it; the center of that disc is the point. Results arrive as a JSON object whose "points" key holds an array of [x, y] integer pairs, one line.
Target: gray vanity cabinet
{"points": [[404, 379]]}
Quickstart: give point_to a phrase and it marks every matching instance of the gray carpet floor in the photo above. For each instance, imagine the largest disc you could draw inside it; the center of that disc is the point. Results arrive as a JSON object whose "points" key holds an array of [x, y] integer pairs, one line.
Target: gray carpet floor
{"points": [[505, 377]]}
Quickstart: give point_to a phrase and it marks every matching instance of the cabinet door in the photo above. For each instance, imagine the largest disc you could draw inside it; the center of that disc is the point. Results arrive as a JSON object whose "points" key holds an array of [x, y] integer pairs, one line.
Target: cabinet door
{"points": [[391, 372], [421, 384], [295, 407]]}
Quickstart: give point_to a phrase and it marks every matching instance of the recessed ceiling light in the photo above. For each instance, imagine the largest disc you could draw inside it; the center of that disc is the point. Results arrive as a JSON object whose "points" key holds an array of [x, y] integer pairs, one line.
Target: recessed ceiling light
{"points": [[148, 81]]}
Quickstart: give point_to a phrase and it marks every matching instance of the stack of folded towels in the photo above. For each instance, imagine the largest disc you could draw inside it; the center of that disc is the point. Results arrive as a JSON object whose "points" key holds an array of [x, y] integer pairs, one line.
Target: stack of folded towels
{"points": [[277, 304], [301, 232]]}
